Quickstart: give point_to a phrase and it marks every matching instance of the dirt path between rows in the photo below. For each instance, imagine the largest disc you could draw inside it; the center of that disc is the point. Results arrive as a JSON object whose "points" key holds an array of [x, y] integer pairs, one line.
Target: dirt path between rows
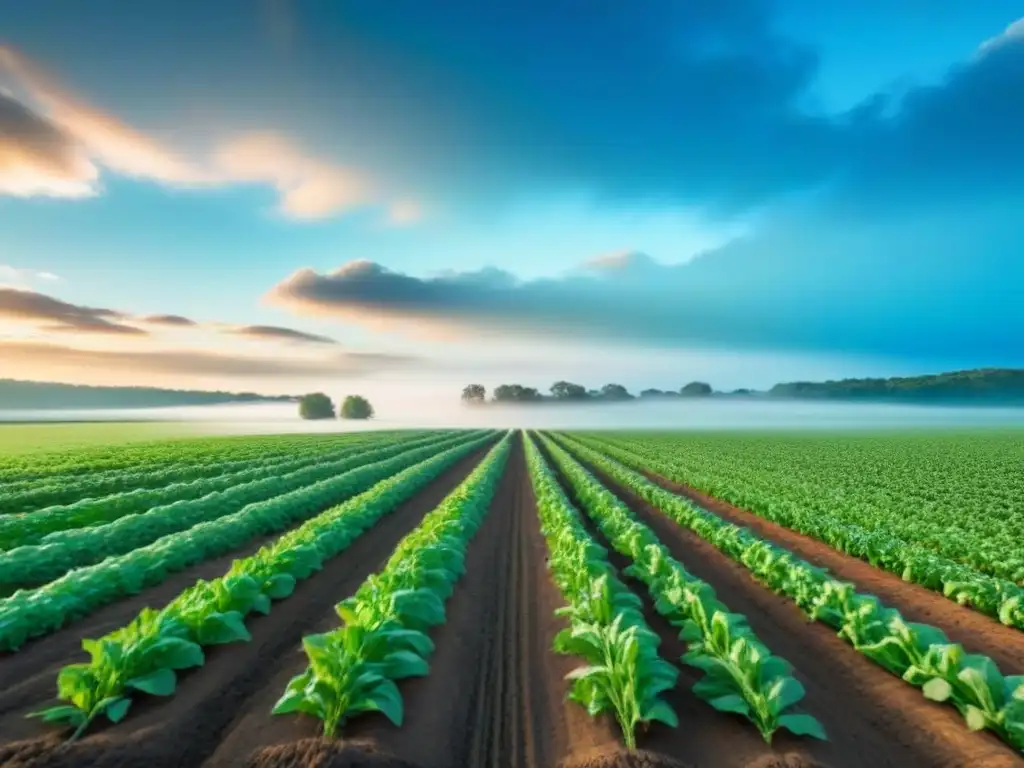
{"points": [[977, 632], [872, 717], [231, 690], [495, 695]]}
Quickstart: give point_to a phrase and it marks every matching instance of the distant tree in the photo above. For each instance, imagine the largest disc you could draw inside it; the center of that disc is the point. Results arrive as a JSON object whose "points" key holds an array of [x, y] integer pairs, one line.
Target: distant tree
{"points": [[696, 389], [515, 393], [741, 391], [316, 406], [566, 390], [615, 392], [652, 393], [474, 393], [356, 407]]}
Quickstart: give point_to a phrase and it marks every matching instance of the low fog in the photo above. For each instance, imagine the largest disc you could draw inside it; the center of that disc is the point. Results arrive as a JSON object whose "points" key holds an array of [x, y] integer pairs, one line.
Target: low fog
{"points": [[401, 413]]}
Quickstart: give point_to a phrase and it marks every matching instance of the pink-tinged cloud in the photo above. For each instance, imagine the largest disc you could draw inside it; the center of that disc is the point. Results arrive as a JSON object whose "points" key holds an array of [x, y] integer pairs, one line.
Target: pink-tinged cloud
{"points": [[56, 143], [308, 188], [52, 314]]}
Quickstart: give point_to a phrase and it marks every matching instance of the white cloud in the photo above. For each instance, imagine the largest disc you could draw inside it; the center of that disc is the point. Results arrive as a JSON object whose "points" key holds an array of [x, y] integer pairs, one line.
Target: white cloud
{"points": [[20, 276]]}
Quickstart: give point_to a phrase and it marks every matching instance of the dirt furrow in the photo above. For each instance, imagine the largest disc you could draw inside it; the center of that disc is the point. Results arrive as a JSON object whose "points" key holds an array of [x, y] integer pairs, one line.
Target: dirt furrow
{"points": [[872, 717], [975, 631], [216, 706]]}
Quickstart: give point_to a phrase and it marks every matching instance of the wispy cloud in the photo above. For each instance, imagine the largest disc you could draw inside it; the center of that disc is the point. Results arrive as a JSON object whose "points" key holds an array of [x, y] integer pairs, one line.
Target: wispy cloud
{"points": [[57, 143], [177, 321], [277, 333], [21, 276], [61, 316], [50, 358]]}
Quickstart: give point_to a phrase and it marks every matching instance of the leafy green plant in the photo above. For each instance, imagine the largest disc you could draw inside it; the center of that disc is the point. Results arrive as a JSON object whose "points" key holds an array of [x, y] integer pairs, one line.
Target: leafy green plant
{"points": [[921, 655], [353, 668], [214, 612], [624, 675], [31, 613], [742, 675]]}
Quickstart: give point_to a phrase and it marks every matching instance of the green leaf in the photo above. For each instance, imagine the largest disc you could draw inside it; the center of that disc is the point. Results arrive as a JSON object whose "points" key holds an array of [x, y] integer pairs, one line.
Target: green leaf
{"points": [[975, 717], [220, 628], [803, 725], [661, 712], [402, 664], [280, 585], [117, 709], [159, 683], [937, 689], [388, 701], [786, 693], [65, 713], [731, 703]]}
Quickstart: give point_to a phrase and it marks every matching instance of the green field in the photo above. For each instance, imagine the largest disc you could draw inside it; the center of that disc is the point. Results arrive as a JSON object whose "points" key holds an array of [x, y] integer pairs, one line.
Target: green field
{"points": [[34, 438], [664, 586]]}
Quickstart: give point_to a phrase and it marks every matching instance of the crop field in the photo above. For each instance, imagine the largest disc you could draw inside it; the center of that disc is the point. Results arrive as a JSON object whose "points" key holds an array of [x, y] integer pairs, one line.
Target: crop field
{"points": [[486, 599]]}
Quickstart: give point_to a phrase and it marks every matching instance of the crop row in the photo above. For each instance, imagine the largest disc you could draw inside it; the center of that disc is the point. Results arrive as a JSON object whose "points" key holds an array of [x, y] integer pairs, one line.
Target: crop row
{"points": [[869, 540], [383, 638], [61, 551], [107, 461], [624, 674], [920, 654], [31, 613], [31, 527], [58, 491], [959, 497], [742, 675], [144, 655]]}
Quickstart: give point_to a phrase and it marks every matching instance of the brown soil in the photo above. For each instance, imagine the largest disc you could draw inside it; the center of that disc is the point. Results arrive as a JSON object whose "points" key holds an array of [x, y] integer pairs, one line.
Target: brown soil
{"points": [[872, 718], [977, 632], [494, 695], [318, 753], [616, 758], [210, 701]]}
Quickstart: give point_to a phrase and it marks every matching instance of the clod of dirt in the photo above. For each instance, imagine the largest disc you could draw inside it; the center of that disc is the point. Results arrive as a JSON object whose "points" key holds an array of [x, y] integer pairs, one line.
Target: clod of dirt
{"points": [[317, 753], [790, 760], [616, 758]]}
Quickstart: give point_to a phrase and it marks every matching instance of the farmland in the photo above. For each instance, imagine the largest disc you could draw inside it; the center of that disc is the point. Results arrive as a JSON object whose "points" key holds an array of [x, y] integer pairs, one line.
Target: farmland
{"points": [[481, 598]]}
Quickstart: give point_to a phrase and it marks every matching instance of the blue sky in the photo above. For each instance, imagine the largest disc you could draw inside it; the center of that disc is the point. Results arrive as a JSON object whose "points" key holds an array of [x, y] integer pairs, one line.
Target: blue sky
{"points": [[744, 191]]}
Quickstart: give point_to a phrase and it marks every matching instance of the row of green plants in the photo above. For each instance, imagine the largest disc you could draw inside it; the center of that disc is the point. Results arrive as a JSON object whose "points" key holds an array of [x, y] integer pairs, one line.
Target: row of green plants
{"points": [[32, 613], [61, 551], [31, 527], [920, 654], [914, 487], [624, 675], [31, 495], [871, 540], [145, 655], [741, 674], [383, 638]]}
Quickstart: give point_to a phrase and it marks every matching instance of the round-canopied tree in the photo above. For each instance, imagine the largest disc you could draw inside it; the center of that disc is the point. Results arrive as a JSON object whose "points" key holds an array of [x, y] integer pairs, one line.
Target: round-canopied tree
{"points": [[356, 407], [474, 393], [696, 389], [316, 405]]}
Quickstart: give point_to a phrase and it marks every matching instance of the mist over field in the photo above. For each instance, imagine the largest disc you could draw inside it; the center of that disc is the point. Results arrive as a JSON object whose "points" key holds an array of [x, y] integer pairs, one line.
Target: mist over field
{"points": [[261, 418]]}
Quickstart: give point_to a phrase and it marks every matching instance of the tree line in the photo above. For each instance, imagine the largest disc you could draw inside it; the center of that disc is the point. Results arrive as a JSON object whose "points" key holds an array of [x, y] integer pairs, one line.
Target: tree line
{"points": [[567, 391]]}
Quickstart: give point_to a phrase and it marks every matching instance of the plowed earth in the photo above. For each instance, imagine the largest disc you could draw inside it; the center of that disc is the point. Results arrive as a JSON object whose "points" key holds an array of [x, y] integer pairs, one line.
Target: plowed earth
{"points": [[495, 695]]}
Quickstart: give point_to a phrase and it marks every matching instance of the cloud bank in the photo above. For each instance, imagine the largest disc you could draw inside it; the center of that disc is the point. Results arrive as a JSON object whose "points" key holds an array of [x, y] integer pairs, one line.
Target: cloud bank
{"points": [[55, 145]]}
